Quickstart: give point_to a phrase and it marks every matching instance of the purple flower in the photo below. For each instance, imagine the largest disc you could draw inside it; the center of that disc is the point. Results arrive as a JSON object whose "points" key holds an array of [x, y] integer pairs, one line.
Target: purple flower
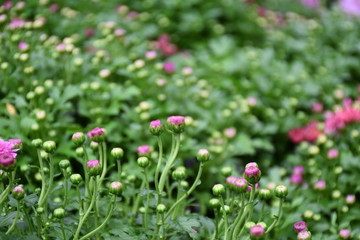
{"points": [[257, 231], [300, 226], [16, 23], [296, 179], [252, 174], [298, 169], [92, 163], [176, 120], [320, 185], [344, 233], [304, 235], [143, 150], [350, 199], [97, 134], [155, 124], [23, 46], [7, 153], [16, 142], [351, 7], [169, 67]]}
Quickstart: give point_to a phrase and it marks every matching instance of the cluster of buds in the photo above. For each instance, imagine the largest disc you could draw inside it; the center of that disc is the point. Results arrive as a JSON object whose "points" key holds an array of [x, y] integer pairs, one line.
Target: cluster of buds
{"points": [[302, 231], [238, 184], [97, 135]]}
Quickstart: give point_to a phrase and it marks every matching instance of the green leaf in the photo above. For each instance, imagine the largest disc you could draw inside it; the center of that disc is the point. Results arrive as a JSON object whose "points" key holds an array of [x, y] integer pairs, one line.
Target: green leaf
{"points": [[188, 225]]}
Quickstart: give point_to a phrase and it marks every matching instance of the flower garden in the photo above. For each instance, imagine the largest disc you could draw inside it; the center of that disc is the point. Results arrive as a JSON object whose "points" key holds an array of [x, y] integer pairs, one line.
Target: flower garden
{"points": [[217, 120]]}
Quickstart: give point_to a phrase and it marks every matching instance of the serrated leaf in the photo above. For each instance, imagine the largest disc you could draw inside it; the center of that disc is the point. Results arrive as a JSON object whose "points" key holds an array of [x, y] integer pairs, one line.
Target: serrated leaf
{"points": [[7, 220], [188, 225]]}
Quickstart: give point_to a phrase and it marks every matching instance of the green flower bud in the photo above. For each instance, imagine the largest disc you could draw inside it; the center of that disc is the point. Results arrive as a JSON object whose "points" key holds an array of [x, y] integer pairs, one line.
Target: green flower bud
{"points": [[40, 210], [117, 153], [263, 224], [184, 184], [248, 225], [226, 171], [49, 146], [131, 178], [179, 173], [116, 188], [79, 152], [94, 167], [37, 143], [203, 155], [59, 213], [44, 155], [161, 208], [94, 145], [227, 209], [63, 164], [281, 191], [218, 190], [76, 179], [214, 203], [142, 210], [143, 162], [264, 194]]}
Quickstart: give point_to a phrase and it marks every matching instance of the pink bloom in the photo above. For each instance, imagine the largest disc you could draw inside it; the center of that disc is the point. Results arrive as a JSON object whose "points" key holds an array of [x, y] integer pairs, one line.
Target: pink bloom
{"points": [[16, 142], [16, 23], [150, 55], [231, 180], [96, 133], [187, 71], [230, 132], [169, 67], [296, 135], [311, 3], [241, 183], [332, 153], [23, 46], [257, 231], [344, 233], [7, 4], [7, 153], [298, 170], [252, 101], [93, 163], [132, 15], [18, 189], [296, 179], [116, 185], [351, 7], [155, 124], [61, 47], [300, 226], [261, 11], [320, 185], [54, 7], [350, 199], [119, 32], [311, 132], [317, 107], [143, 150], [165, 46], [176, 120]]}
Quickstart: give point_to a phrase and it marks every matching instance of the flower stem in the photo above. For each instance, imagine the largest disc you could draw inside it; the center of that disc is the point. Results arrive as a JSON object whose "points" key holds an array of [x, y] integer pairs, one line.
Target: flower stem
{"points": [[169, 163], [136, 203], [249, 209], [7, 190], [188, 192], [51, 181], [15, 219], [110, 211], [82, 220], [277, 218], [29, 220], [146, 220], [158, 164], [226, 226], [43, 177]]}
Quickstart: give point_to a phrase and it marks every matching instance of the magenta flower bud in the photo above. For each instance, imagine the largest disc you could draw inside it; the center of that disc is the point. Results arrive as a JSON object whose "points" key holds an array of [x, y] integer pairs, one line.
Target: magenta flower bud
{"points": [[304, 235], [119, 32], [300, 226], [344, 233], [241, 184], [16, 142], [169, 67], [317, 107], [97, 134], [176, 124], [156, 127], [298, 170], [116, 188], [320, 185], [252, 174], [257, 232], [93, 167], [187, 71], [78, 138], [332, 153], [350, 199], [23, 46], [18, 192], [296, 179], [251, 164], [230, 181], [143, 150]]}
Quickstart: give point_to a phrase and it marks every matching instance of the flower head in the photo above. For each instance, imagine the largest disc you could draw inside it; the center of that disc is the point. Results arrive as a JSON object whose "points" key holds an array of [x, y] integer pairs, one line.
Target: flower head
{"points": [[97, 134], [304, 235], [344, 233], [332, 153], [350, 7], [257, 231], [93, 167], [143, 150], [320, 185], [116, 187], [156, 127], [252, 174], [7, 155], [300, 226], [169, 67], [176, 123], [17, 143]]}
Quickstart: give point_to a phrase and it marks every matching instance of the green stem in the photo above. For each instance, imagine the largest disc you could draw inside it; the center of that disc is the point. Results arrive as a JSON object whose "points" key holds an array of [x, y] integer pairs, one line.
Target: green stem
{"points": [[103, 161], [136, 203], [262, 211], [159, 164], [81, 212], [7, 190], [215, 235], [62, 229], [224, 217], [249, 208], [110, 211], [87, 189], [43, 177], [188, 192], [51, 181], [65, 190], [278, 217], [146, 218], [15, 219], [169, 163], [232, 228], [118, 163], [82, 220], [29, 220], [163, 224]]}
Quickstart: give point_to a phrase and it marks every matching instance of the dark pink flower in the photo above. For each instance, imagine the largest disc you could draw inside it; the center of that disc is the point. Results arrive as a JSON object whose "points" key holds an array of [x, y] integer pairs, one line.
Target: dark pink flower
{"points": [[296, 179], [317, 107], [143, 150], [300, 226], [7, 153], [169, 67]]}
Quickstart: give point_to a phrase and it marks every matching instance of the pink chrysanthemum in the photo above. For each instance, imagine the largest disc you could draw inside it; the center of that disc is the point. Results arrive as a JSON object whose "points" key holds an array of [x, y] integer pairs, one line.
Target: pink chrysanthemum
{"points": [[7, 153]]}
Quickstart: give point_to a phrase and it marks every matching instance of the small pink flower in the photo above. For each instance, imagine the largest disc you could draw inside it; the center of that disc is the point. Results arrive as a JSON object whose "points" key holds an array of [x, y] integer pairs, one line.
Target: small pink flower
{"points": [[332, 153], [54, 7], [61, 47], [231, 180], [119, 32], [320, 185], [296, 179], [257, 231], [7, 4], [241, 183], [169, 67], [155, 124], [116, 185], [252, 101], [23, 46], [16, 23], [18, 189], [311, 3], [97, 134], [344, 233], [143, 150], [298, 169], [92, 163], [230, 132], [350, 199], [300, 226], [317, 107], [350, 7], [176, 120], [150, 55], [89, 32], [187, 71], [7, 153]]}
